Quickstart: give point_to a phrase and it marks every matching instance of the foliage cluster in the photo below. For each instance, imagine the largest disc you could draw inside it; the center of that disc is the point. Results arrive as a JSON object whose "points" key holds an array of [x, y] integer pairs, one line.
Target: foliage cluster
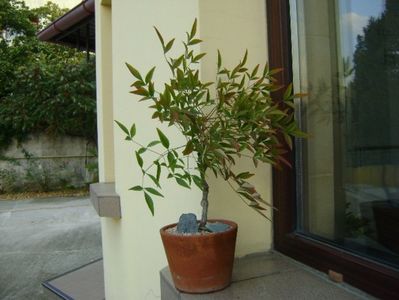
{"points": [[43, 87], [222, 121]]}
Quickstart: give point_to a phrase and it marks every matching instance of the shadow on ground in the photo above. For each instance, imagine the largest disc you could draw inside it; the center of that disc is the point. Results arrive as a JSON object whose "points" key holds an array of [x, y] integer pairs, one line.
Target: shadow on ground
{"points": [[40, 239]]}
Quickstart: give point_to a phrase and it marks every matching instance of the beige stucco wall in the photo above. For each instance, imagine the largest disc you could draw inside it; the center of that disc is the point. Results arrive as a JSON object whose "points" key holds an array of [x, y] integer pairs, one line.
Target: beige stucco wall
{"points": [[232, 26], [133, 253], [105, 115], [132, 249]]}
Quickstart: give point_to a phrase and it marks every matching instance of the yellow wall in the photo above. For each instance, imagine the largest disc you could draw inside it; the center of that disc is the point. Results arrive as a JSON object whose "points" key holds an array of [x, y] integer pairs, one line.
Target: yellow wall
{"points": [[232, 26], [133, 253], [105, 115]]}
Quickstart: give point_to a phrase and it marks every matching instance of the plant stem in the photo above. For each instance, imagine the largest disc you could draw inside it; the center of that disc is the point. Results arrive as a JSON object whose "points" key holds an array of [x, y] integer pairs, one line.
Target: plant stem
{"points": [[204, 204]]}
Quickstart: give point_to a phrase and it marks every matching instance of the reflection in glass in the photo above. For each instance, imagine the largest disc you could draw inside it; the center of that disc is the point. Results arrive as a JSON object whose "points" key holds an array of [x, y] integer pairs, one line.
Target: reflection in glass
{"points": [[348, 178]]}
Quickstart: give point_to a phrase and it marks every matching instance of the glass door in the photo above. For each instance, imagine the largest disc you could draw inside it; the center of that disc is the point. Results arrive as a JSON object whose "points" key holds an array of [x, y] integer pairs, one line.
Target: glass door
{"points": [[346, 57], [337, 208]]}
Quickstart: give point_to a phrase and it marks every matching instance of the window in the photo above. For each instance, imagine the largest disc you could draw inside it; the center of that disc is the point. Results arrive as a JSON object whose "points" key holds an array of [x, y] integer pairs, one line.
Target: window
{"points": [[339, 206]]}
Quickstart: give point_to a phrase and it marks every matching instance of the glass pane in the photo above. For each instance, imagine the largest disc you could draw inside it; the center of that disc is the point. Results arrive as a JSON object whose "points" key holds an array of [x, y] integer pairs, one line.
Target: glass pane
{"points": [[346, 56]]}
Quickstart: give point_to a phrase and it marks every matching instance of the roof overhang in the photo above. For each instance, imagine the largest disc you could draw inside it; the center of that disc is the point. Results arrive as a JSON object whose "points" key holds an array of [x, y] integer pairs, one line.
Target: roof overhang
{"points": [[75, 29]]}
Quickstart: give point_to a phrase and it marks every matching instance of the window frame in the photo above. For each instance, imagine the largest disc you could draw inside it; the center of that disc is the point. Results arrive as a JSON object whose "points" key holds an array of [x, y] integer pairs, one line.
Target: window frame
{"points": [[375, 278]]}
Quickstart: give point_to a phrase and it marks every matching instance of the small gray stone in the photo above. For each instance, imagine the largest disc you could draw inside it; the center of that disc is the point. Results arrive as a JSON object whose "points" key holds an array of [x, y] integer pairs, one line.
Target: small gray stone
{"points": [[217, 227], [187, 224]]}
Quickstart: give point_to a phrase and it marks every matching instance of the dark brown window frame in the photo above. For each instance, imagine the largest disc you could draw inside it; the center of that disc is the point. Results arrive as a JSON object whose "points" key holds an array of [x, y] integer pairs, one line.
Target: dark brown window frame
{"points": [[374, 278]]}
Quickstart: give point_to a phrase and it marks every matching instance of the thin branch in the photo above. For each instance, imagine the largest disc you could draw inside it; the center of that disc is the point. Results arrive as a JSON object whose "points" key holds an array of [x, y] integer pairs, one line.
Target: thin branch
{"points": [[142, 146], [243, 200]]}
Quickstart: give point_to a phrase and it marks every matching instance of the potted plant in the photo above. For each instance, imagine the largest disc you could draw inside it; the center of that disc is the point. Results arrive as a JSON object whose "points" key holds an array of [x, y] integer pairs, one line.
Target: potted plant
{"points": [[237, 119]]}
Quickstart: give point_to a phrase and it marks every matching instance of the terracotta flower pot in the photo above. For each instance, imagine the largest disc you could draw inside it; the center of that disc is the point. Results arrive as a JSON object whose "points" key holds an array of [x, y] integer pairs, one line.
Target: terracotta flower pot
{"points": [[201, 263]]}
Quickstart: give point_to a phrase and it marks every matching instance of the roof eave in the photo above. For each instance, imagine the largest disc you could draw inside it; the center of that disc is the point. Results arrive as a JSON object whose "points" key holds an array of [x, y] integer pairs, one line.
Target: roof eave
{"points": [[71, 18]]}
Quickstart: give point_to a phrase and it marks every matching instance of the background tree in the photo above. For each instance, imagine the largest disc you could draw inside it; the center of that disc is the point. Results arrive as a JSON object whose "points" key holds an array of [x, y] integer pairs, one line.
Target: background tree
{"points": [[46, 14], [43, 87], [375, 90], [16, 18]]}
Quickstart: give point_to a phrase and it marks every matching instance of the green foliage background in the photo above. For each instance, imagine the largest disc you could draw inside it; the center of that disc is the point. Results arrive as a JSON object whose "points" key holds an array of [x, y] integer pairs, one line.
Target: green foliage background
{"points": [[43, 87]]}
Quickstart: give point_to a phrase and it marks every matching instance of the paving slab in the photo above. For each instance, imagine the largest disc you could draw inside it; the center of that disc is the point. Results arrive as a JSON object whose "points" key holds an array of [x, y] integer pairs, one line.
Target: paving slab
{"points": [[42, 238], [270, 276]]}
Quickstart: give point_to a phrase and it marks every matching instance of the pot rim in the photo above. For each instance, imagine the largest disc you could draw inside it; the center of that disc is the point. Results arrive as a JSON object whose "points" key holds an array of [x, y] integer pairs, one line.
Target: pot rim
{"points": [[233, 227]]}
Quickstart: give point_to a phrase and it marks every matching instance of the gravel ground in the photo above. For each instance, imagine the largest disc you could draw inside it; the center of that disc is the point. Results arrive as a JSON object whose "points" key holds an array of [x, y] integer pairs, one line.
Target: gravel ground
{"points": [[42, 238], [82, 193]]}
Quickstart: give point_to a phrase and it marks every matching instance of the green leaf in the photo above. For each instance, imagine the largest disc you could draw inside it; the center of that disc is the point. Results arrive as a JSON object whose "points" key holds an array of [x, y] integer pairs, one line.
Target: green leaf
{"points": [[149, 201], [139, 160], [134, 72], [123, 127], [160, 37], [288, 92], [177, 62], [158, 170], [138, 84], [136, 188], [246, 195], [194, 42], [198, 57], [187, 175], [219, 60], [148, 77], [133, 130], [156, 181], [287, 139], [153, 191], [164, 140], [151, 89], [182, 183], [300, 134], [193, 29], [265, 69], [198, 181], [140, 91], [244, 60], [168, 46], [180, 75], [142, 150], [255, 161], [189, 148], [171, 160], [255, 71], [153, 143], [241, 85], [245, 175]]}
